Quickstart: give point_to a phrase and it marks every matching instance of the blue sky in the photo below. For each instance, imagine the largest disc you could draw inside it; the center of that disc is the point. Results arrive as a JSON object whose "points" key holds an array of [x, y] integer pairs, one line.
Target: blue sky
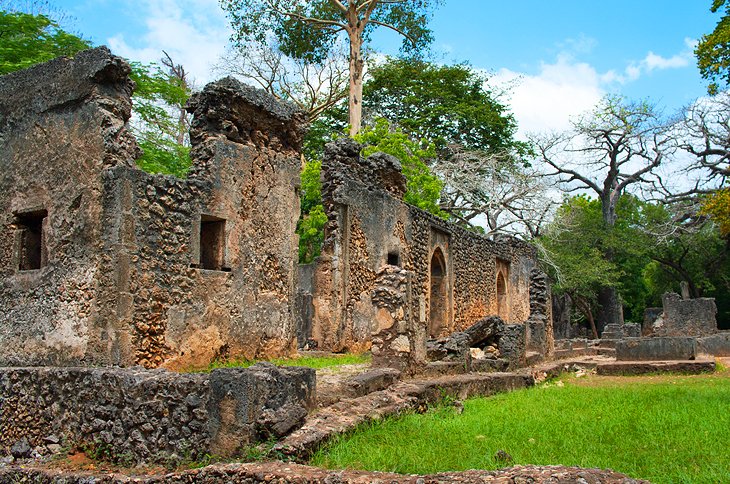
{"points": [[558, 57]]}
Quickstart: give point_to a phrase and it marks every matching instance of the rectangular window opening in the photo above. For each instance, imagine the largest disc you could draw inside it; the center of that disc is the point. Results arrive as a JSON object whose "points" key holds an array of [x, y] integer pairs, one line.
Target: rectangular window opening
{"points": [[212, 243], [32, 254], [393, 259]]}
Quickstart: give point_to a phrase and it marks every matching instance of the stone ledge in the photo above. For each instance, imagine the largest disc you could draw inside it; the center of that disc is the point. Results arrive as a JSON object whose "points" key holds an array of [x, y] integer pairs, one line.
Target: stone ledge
{"points": [[630, 368], [285, 473]]}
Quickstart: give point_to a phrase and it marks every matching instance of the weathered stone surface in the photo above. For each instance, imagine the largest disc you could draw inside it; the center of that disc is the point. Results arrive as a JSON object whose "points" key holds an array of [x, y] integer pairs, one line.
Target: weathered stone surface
{"points": [[453, 273], [483, 330], [373, 380], [717, 344], [618, 368], [686, 317], [288, 473], [512, 344], [151, 415], [136, 268], [656, 349]]}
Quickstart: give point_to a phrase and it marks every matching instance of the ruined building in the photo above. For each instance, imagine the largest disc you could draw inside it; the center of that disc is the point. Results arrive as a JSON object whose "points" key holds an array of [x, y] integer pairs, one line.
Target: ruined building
{"points": [[397, 276], [104, 264]]}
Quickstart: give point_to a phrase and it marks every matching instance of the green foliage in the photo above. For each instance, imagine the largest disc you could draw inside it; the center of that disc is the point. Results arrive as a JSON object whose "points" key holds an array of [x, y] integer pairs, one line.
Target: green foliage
{"points": [[308, 30], [424, 188], [717, 206], [668, 430], [445, 104], [311, 234], [160, 124], [713, 50], [576, 245], [27, 40], [310, 227]]}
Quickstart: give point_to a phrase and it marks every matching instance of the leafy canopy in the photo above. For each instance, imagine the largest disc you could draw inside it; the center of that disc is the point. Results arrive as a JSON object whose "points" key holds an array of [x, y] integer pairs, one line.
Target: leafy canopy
{"points": [[423, 187], [713, 50], [159, 98], [26, 40], [308, 30], [445, 104]]}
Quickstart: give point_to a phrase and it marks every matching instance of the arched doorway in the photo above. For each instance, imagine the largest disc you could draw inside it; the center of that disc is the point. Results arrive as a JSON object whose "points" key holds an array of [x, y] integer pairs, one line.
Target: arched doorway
{"points": [[439, 299], [502, 302]]}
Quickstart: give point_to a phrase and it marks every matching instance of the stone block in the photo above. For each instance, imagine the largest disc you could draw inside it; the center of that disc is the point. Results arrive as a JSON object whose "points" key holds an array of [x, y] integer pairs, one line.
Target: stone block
{"points": [[656, 349], [716, 345]]}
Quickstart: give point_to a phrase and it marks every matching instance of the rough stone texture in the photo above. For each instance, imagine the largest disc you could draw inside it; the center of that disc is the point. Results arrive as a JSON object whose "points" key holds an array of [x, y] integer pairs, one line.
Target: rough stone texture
{"points": [[717, 344], [512, 345], [285, 473], [632, 368], [122, 281], [137, 415], [481, 331], [656, 349], [686, 317], [372, 381], [452, 274]]}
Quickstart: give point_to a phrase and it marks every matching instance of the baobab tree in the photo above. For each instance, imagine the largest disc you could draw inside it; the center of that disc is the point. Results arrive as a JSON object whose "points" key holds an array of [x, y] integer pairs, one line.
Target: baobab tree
{"points": [[308, 30], [616, 147]]}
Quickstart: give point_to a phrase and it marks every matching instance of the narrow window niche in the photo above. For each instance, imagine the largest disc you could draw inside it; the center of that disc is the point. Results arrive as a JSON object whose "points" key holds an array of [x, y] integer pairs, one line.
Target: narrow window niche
{"points": [[393, 258], [212, 243], [32, 247]]}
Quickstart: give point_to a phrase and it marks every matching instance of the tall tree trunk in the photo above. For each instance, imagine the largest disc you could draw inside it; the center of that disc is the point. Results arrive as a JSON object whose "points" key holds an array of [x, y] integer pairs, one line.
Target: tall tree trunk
{"points": [[610, 310], [356, 72]]}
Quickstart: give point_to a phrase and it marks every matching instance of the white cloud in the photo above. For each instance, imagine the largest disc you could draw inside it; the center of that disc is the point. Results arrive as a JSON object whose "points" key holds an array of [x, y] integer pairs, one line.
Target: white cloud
{"points": [[561, 90], [194, 33], [548, 100]]}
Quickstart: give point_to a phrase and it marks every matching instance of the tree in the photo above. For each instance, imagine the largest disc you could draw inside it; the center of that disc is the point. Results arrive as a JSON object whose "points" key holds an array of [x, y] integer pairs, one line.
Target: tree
{"points": [[713, 50], [308, 30], [162, 124], [314, 87], [491, 188], [423, 187], [28, 39], [609, 151], [444, 104]]}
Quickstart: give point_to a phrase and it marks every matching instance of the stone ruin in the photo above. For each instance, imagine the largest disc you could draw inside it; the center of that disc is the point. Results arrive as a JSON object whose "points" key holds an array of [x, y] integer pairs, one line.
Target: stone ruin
{"points": [[391, 277], [105, 269], [104, 264]]}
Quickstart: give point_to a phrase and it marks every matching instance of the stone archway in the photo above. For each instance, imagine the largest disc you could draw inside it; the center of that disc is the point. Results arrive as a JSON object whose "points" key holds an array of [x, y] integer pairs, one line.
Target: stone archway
{"points": [[439, 295]]}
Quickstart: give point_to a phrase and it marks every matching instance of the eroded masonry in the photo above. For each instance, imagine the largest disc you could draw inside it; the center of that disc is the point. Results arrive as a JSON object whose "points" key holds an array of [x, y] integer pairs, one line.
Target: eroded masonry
{"points": [[104, 264]]}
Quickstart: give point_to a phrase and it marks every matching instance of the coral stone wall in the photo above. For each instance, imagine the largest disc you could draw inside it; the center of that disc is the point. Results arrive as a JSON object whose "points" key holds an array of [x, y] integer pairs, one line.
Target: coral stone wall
{"points": [[61, 124], [153, 416], [371, 228], [136, 268]]}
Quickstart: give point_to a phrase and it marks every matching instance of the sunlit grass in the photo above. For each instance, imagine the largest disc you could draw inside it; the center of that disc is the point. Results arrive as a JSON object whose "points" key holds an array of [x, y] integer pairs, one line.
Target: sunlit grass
{"points": [[665, 429]]}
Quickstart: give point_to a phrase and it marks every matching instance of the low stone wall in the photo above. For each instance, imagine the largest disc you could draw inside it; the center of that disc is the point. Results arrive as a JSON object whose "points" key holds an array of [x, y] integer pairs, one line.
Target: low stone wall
{"points": [[716, 345], [656, 349], [145, 416]]}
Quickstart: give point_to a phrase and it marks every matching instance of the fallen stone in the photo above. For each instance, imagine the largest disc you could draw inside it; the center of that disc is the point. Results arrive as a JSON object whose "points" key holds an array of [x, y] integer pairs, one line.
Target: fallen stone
{"points": [[21, 449]]}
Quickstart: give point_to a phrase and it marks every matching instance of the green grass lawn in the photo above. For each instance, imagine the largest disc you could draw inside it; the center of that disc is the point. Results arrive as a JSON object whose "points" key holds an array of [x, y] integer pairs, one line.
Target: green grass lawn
{"points": [[668, 429], [315, 362]]}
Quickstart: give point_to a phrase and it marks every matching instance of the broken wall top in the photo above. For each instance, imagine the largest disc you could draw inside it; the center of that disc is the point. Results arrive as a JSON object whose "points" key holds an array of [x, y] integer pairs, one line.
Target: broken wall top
{"points": [[63, 85], [243, 114]]}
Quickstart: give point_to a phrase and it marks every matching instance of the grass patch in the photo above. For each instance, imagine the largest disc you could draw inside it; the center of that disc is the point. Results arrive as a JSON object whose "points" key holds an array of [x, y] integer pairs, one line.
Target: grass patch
{"points": [[315, 362], [665, 429]]}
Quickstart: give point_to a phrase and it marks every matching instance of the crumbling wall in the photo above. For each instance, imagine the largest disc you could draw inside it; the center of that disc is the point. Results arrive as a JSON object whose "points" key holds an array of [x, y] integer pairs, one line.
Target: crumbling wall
{"points": [[245, 171], [61, 124], [371, 228], [685, 317], [153, 416], [138, 268]]}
